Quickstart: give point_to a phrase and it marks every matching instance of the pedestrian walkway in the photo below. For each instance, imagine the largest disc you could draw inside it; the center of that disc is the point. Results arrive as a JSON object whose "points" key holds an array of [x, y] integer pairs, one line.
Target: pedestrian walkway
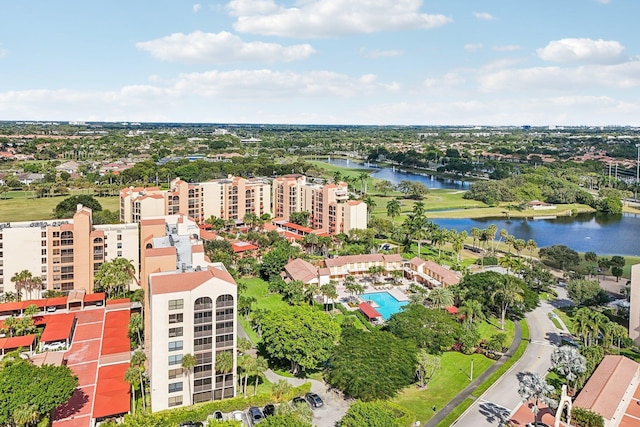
{"points": [[467, 392]]}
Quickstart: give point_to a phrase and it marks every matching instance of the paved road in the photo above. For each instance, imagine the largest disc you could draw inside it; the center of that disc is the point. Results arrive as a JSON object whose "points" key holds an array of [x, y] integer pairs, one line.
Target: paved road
{"points": [[500, 401]]}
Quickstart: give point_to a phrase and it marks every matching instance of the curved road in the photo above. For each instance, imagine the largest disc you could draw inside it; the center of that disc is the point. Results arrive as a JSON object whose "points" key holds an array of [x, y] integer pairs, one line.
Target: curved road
{"points": [[496, 406]]}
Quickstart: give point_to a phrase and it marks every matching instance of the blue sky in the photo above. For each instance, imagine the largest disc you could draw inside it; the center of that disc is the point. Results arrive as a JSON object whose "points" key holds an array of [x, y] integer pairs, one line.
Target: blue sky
{"points": [[379, 62]]}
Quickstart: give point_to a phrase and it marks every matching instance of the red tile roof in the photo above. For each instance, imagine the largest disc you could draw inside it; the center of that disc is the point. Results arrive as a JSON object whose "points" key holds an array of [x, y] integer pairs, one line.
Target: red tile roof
{"points": [[115, 338], [98, 296], [302, 270], [187, 281], [12, 343], [243, 247]]}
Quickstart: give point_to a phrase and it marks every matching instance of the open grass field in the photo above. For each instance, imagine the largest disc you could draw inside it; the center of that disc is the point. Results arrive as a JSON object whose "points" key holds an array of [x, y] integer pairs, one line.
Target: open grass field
{"points": [[491, 327], [453, 376], [30, 209]]}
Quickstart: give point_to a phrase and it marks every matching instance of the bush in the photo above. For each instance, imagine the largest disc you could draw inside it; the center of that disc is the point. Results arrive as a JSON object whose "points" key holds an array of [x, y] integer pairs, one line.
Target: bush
{"points": [[584, 418], [488, 260], [200, 411]]}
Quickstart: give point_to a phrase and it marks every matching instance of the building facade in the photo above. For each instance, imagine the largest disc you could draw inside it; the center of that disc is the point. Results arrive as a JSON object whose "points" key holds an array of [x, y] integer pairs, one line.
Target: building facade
{"points": [[230, 199], [328, 205], [190, 309], [634, 307], [64, 254]]}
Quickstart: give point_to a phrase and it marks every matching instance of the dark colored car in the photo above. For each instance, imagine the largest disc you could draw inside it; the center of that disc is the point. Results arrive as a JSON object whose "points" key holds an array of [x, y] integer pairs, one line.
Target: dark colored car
{"points": [[255, 415], [269, 410], [217, 416], [314, 400], [191, 424]]}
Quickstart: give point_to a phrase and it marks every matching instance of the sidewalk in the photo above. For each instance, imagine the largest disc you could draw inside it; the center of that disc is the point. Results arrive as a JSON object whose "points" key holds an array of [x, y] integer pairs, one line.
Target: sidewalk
{"points": [[467, 392]]}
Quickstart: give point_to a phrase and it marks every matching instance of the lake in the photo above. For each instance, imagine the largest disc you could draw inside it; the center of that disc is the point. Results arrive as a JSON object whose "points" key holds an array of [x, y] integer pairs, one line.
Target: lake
{"points": [[395, 176], [599, 233]]}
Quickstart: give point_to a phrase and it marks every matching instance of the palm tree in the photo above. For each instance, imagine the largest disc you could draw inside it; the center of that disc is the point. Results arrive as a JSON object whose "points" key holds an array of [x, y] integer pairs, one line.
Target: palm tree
{"points": [[441, 297], [508, 262], [260, 365], [243, 345], [419, 235], [188, 363], [509, 240], [503, 235], [438, 239], [568, 362], [25, 415], [371, 205], [393, 210], [363, 177], [457, 242], [136, 326], [280, 391], [475, 234], [531, 245], [472, 310], [491, 233], [506, 295], [329, 292], [534, 386], [310, 292], [137, 359], [519, 245], [337, 177], [131, 376], [20, 279], [583, 319], [245, 367], [9, 325]]}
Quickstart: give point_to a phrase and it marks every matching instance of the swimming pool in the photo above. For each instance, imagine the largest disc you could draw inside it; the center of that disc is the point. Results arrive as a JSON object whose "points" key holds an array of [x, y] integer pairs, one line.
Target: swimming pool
{"points": [[384, 303]]}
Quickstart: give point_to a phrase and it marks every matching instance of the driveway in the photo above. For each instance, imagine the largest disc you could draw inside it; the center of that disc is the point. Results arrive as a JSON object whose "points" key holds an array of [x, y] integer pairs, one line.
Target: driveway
{"points": [[502, 400]]}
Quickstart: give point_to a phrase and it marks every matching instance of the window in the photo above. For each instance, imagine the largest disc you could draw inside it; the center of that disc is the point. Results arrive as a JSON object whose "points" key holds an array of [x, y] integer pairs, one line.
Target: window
{"points": [[175, 359], [119, 253], [119, 237], [175, 345], [175, 401], [175, 373], [175, 387], [176, 318], [43, 243], [175, 332], [43, 234], [176, 304], [119, 245], [44, 260], [43, 252], [44, 269]]}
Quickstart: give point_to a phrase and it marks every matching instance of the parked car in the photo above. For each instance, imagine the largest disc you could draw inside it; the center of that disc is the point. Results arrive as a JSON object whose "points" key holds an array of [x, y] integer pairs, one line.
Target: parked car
{"points": [[51, 309], [218, 416], [538, 424], [269, 410], [191, 424], [237, 416], [314, 400], [255, 415]]}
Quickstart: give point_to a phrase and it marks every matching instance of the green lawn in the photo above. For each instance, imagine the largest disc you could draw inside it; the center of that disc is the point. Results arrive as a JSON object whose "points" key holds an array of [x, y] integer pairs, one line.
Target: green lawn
{"points": [[453, 415], [491, 327], [452, 377], [27, 209], [566, 315]]}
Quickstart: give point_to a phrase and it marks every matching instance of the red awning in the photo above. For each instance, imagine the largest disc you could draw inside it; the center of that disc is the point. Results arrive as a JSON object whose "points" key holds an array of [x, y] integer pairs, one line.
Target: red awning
{"points": [[58, 327], [56, 302], [12, 343], [98, 296], [116, 333], [11, 306], [40, 303], [112, 392], [368, 310]]}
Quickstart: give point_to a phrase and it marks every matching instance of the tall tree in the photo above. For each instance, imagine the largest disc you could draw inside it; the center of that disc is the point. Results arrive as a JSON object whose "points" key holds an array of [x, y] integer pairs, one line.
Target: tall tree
{"points": [[427, 365], [188, 363], [534, 387], [135, 327], [569, 363], [441, 297], [131, 376], [506, 294], [137, 359], [393, 210]]}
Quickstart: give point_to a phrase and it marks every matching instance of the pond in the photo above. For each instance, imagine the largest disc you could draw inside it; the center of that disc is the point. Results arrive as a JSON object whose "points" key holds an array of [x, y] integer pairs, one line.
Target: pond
{"points": [[395, 175]]}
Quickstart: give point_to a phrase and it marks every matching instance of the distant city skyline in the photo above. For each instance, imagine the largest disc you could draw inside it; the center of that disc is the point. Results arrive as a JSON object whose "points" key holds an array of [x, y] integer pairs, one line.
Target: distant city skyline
{"points": [[355, 62]]}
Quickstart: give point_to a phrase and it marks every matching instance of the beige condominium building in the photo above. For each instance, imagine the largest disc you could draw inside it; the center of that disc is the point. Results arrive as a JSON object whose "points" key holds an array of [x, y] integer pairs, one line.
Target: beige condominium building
{"points": [[328, 205], [229, 198], [634, 307], [65, 253], [190, 309]]}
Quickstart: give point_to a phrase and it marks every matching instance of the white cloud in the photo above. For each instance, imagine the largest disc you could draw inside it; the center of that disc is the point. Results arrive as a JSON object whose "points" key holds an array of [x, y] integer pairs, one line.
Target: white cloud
{"points": [[375, 53], [327, 18], [603, 1], [582, 50], [197, 7], [483, 16], [564, 80], [222, 47], [507, 48], [472, 47], [445, 83], [3, 52]]}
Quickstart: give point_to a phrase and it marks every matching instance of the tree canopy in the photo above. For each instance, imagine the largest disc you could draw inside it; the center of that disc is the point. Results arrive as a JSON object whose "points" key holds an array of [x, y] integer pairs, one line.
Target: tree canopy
{"points": [[432, 329], [299, 335], [371, 365], [42, 389], [372, 414], [67, 207]]}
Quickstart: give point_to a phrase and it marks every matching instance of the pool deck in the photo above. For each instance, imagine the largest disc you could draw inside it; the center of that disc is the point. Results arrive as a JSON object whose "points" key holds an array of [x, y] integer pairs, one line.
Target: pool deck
{"points": [[395, 291]]}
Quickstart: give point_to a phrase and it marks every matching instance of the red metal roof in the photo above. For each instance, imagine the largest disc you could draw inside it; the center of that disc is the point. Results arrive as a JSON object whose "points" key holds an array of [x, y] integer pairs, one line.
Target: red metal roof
{"points": [[58, 327], [368, 310], [13, 343], [115, 338], [295, 226], [98, 296], [242, 247], [452, 309], [118, 301], [56, 301], [11, 306], [111, 389], [40, 303]]}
